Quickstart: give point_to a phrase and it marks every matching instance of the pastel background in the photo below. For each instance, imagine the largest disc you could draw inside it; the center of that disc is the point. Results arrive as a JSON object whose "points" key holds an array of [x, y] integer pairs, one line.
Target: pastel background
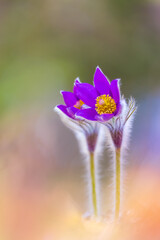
{"points": [[44, 46]]}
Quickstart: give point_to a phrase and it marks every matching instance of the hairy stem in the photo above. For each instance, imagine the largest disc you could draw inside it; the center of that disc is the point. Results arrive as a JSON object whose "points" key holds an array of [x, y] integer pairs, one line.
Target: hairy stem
{"points": [[93, 183], [117, 183]]}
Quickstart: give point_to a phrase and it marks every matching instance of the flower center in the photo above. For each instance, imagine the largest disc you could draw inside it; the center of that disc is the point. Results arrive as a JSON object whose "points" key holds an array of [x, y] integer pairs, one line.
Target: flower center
{"points": [[79, 104], [105, 104]]}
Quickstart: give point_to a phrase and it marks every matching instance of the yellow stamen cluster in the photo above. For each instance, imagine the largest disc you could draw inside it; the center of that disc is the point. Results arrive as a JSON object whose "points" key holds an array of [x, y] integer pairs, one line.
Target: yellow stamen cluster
{"points": [[105, 104], [79, 104]]}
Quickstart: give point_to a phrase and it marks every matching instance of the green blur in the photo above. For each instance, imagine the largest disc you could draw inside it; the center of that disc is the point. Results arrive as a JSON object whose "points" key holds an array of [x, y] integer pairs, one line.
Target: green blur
{"points": [[45, 45]]}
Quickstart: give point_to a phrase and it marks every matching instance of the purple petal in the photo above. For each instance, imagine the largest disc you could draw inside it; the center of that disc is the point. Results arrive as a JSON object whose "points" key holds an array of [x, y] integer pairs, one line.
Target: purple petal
{"points": [[76, 82], [88, 113], [100, 81], [118, 109], [87, 93], [64, 110], [115, 90], [72, 111], [104, 117], [69, 98]]}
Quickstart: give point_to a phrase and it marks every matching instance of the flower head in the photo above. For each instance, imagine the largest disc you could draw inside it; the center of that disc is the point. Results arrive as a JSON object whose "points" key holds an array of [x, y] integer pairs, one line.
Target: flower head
{"points": [[102, 99], [72, 103]]}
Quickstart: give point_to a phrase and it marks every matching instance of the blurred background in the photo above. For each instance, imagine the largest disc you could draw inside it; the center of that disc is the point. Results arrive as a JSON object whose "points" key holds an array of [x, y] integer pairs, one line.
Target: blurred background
{"points": [[44, 46]]}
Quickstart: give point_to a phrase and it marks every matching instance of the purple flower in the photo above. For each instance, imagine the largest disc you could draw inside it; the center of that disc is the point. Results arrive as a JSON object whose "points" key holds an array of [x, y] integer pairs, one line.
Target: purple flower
{"points": [[72, 103], [102, 99]]}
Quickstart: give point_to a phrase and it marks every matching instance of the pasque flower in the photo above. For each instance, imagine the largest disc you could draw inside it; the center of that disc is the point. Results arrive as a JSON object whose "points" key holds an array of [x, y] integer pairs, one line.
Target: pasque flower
{"points": [[119, 129], [90, 138], [102, 101]]}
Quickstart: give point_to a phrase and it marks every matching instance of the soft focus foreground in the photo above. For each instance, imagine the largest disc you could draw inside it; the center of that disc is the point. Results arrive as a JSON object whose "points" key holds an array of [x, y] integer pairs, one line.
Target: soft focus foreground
{"points": [[44, 46], [52, 214]]}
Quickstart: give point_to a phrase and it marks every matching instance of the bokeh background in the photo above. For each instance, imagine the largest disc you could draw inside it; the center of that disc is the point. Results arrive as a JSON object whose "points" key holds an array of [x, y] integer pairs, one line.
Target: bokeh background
{"points": [[44, 46]]}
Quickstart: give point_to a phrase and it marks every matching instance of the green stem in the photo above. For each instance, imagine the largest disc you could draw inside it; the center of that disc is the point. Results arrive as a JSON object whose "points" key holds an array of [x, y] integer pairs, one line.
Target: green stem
{"points": [[93, 183], [118, 183]]}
